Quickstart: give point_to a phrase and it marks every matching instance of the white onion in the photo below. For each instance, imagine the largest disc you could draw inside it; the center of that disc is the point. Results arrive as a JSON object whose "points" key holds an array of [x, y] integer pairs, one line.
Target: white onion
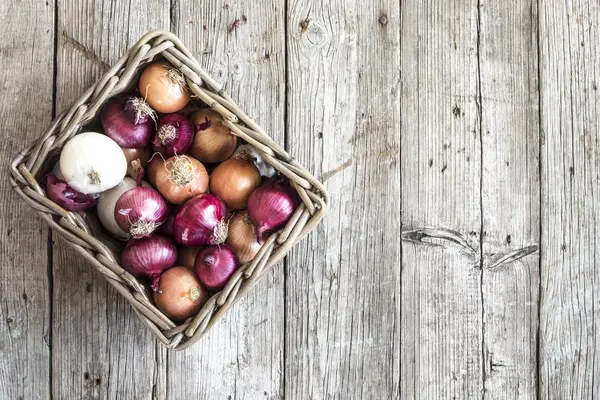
{"points": [[106, 207], [92, 163]]}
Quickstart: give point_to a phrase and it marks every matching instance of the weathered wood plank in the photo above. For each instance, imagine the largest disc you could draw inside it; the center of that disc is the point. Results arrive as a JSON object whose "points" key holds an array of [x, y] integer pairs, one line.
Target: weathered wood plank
{"points": [[441, 172], [570, 277], [26, 54], [242, 357], [100, 348], [343, 281], [510, 195]]}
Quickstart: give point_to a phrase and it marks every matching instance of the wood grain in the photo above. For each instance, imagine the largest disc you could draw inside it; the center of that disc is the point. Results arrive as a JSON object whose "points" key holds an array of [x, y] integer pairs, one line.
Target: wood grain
{"points": [[242, 357], [343, 281], [441, 172], [26, 57], [510, 197], [570, 277], [100, 347]]}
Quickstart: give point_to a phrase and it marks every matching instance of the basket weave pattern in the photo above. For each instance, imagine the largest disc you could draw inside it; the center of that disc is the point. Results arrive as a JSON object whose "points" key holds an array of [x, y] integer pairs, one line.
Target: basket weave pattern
{"points": [[76, 229]]}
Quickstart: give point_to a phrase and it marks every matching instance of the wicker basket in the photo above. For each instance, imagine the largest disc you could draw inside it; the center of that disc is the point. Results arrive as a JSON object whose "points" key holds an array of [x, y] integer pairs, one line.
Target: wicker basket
{"points": [[81, 234]]}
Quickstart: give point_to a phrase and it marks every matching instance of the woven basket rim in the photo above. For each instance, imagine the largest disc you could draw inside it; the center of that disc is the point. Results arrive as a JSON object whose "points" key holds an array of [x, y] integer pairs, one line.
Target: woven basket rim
{"points": [[83, 234]]}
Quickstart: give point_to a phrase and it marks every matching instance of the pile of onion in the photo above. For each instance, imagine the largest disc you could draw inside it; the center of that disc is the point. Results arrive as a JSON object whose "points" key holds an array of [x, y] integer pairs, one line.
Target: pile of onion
{"points": [[180, 178], [179, 294], [213, 141]]}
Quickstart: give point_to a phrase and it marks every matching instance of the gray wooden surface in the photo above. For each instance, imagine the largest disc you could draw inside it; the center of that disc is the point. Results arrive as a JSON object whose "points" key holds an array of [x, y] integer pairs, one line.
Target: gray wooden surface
{"points": [[458, 260]]}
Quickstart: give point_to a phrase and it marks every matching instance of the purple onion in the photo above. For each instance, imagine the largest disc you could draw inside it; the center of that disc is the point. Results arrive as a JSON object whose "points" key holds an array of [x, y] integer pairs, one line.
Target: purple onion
{"points": [[174, 135], [271, 206], [214, 266], [200, 221], [139, 211], [128, 120], [149, 257], [65, 196]]}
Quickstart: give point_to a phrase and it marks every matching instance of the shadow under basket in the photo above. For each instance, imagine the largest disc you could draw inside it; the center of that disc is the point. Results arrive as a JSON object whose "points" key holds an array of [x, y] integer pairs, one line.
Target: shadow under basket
{"points": [[80, 230]]}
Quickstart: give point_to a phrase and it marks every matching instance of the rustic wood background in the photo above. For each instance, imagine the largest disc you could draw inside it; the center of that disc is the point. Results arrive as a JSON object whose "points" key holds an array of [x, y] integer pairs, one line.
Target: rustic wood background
{"points": [[458, 260]]}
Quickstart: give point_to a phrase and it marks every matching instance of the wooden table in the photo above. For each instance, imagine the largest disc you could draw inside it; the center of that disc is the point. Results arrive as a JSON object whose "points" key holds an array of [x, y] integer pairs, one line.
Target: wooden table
{"points": [[458, 260]]}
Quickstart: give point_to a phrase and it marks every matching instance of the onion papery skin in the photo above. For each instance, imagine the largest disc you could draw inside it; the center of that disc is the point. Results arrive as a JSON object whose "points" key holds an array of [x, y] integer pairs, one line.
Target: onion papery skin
{"points": [[180, 295], [139, 211], [271, 206], [136, 158], [148, 257], [128, 120], [65, 196], [201, 221], [174, 135], [242, 237]]}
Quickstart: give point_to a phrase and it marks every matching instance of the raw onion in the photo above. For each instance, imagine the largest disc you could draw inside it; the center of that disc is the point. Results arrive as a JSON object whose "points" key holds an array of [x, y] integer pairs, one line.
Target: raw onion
{"points": [[136, 158], [271, 206], [128, 120], [233, 181], [164, 88], [215, 265], [180, 178], [186, 256], [139, 211], [65, 196], [179, 294], [200, 221], [148, 257], [106, 207], [174, 135], [213, 142], [92, 163], [242, 237]]}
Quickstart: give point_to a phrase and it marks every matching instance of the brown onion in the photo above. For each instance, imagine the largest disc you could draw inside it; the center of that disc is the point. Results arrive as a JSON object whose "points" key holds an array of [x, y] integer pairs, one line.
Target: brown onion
{"points": [[233, 181], [152, 169], [186, 256], [180, 178], [136, 158], [179, 294], [242, 237], [163, 87], [213, 141]]}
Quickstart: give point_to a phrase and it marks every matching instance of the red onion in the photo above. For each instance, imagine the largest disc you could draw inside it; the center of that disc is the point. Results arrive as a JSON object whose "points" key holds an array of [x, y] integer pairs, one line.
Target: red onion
{"points": [[167, 227], [149, 257], [65, 196], [174, 135], [201, 220], [271, 205], [215, 265], [139, 211], [128, 120]]}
